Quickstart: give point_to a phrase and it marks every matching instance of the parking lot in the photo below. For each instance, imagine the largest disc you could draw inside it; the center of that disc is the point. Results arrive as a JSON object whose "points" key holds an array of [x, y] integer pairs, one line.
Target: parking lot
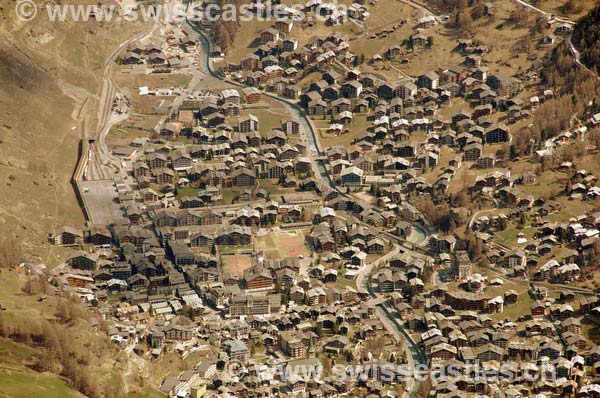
{"points": [[101, 200]]}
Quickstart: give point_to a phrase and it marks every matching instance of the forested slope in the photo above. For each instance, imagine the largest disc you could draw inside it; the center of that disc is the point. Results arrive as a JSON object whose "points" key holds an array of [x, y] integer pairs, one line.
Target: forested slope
{"points": [[586, 38]]}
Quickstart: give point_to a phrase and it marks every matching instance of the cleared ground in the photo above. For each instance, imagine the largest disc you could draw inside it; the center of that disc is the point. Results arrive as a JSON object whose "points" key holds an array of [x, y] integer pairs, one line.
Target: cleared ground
{"points": [[282, 244], [236, 264]]}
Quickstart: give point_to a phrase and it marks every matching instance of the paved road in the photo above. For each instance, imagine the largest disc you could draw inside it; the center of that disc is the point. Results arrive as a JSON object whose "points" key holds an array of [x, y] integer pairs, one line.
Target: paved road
{"points": [[414, 356], [365, 272], [426, 10], [544, 13], [106, 118], [574, 52], [314, 149]]}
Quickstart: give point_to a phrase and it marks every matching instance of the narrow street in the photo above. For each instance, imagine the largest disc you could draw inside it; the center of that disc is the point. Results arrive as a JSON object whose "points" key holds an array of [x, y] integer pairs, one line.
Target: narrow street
{"points": [[389, 321]]}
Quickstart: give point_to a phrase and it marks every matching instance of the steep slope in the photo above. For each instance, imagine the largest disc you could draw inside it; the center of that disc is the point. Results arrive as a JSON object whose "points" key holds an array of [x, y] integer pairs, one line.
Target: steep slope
{"points": [[586, 38], [50, 74]]}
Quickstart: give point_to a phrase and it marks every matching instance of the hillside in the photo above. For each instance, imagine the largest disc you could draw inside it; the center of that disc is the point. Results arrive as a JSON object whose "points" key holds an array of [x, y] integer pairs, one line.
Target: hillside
{"points": [[586, 38], [49, 85]]}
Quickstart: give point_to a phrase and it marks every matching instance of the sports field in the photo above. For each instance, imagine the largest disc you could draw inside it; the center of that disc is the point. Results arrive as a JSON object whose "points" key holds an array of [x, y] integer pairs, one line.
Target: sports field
{"points": [[236, 264], [282, 244]]}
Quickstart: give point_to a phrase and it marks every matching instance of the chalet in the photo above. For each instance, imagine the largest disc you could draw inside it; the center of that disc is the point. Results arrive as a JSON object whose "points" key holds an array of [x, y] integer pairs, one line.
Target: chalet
{"points": [[230, 96], [84, 261], [243, 178], [340, 105], [250, 62], [98, 236], [78, 280], [171, 130], [472, 152], [486, 161], [515, 258], [289, 44], [269, 35], [252, 95], [142, 169], [247, 124], [429, 80], [496, 134], [419, 40], [351, 89], [563, 29], [442, 244], [131, 58], [258, 278], [284, 25], [181, 160], [443, 351], [290, 127], [351, 176], [375, 246], [425, 22], [406, 90], [233, 235], [292, 92], [67, 236], [215, 119], [164, 176], [504, 85], [156, 59], [317, 108]]}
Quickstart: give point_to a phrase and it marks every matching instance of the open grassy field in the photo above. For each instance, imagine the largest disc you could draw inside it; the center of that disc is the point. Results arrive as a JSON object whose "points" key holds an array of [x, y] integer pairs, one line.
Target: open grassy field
{"points": [[511, 45], [358, 126], [269, 114], [121, 135], [14, 354], [147, 392], [272, 187], [181, 192], [152, 80], [247, 37], [229, 194], [282, 244], [26, 385], [343, 282], [16, 377], [511, 311], [446, 154], [234, 249], [508, 237], [557, 7]]}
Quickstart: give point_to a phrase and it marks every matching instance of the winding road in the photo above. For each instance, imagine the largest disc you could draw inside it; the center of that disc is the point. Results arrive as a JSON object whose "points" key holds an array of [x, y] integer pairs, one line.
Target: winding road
{"points": [[390, 322], [105, 115], [106, 119], [574, 52]]}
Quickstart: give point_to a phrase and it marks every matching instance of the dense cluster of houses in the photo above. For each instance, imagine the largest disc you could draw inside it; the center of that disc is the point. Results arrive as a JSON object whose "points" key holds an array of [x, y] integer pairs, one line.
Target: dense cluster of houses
{"points": [[158, 57], [397, 109], [158, 274]]}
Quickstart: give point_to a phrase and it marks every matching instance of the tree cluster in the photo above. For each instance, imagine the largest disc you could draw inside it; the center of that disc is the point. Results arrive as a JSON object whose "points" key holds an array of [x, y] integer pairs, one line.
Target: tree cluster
{"points": [[11, 253], [438, 215], [586, 37], [63, 350]]}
